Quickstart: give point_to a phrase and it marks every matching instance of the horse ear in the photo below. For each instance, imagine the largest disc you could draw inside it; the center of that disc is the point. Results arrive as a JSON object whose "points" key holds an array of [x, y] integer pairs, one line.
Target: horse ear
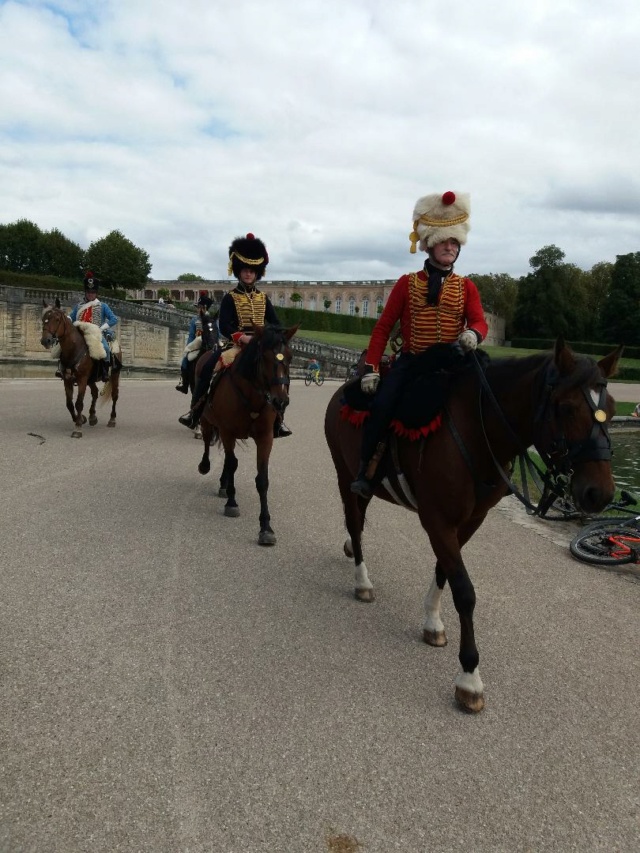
{"points": [[564, 358], [57, 302], [45, 303], [291, 331], [609, 364]]}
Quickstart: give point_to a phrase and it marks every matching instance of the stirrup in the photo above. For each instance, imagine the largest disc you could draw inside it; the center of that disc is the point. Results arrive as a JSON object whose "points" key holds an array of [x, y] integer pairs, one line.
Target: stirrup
{"points": [[362, 488]]}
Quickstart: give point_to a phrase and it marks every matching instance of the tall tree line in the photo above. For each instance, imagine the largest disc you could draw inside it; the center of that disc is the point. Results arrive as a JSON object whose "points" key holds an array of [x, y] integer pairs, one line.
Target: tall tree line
{"points": [[115, 260]]}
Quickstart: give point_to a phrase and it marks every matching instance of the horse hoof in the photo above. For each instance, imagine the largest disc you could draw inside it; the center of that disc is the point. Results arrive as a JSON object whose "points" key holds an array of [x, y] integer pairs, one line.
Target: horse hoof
{"points": [[434, 638], [76, 433], [267, 537], [197, 434], [366, 595], [222, 493], [232, 511], [348, 550], [204, 467], [471, 703], [111, 424], [93, 421], [84, 419]]}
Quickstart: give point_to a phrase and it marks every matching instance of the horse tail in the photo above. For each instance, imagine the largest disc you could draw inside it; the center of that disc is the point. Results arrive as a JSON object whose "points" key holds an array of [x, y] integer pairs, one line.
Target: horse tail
{"points": [[105, 394]]}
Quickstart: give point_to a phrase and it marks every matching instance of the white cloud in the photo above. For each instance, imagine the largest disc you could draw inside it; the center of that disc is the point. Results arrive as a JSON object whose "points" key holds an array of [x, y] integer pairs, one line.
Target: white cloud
{"points": [[316, 124]]}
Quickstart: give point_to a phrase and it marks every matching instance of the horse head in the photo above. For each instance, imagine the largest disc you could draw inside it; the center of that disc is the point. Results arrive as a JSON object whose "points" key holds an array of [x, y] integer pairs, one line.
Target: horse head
{"points": [[265, 363], [53, 324], [572, 433]]}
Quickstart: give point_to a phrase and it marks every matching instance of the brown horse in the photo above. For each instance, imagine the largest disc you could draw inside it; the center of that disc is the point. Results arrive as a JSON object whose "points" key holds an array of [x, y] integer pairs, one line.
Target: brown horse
{"points": [[557, 402], [78, 368], [247, 398]]}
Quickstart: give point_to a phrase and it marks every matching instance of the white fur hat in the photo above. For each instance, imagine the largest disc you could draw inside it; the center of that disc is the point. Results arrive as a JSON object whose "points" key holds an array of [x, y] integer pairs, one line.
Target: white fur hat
{"points": [[439, 217]]}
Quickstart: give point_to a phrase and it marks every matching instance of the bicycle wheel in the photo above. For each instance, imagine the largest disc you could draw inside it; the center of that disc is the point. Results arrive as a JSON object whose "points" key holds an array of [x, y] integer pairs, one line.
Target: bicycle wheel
{"points": [[594, 545], [319, 380], [308, 379]]}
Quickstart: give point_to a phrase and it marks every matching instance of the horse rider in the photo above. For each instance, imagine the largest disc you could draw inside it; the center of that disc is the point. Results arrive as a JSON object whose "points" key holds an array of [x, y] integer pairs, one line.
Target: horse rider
{"points": [[92, 310], [240, 310], [202, 336], [433, 305]]}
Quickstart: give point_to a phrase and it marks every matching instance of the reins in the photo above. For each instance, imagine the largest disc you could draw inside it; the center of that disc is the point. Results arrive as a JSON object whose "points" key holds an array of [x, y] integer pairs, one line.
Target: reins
{"points": [[267, 398], [57, 337], [554, 481]]}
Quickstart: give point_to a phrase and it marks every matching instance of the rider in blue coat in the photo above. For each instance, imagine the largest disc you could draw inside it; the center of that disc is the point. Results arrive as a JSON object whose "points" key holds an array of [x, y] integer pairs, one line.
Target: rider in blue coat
{"points": [[92, 310], [202, 326]]}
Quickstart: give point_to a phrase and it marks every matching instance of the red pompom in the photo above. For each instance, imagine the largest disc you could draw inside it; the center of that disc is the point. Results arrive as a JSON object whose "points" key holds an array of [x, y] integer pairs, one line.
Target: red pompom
{"points": [[448, 197], [251, 236]]}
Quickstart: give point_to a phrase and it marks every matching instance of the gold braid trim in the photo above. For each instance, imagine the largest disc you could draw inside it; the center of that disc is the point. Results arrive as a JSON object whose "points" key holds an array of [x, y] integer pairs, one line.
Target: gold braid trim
{"points": [[251, 262], [433, 223]]}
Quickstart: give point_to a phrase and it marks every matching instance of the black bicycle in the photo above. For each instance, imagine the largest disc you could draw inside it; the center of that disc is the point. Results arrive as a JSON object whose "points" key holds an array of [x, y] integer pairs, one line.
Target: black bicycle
{"points": [[608, 542]]}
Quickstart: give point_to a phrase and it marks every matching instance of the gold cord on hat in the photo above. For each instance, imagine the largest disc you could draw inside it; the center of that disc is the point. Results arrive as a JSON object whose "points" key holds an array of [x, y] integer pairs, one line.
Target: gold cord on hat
{"points": [[433, 223], [250, 262]]}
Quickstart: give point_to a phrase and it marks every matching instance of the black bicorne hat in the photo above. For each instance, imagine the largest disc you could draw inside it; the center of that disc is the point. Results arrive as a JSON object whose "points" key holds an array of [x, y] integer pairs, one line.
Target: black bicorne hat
{"points": [[205, 299], [249, 252]]}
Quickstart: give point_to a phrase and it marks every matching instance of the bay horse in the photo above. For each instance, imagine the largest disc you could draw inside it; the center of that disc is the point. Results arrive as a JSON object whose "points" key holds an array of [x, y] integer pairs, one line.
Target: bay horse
{"points": [[78, 367], [557, 402], [248, 397]]}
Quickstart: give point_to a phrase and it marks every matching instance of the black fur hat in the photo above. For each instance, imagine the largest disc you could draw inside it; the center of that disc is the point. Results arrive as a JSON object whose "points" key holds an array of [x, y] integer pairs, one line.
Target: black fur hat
{"points": [[90, 281], [205, 300], [249, 252]]}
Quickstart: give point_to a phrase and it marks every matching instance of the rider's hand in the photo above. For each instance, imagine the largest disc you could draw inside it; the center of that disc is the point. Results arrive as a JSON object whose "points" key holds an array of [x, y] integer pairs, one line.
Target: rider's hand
{"points": [[369, 383], [109, 335], [468, 340], [243, 340]]}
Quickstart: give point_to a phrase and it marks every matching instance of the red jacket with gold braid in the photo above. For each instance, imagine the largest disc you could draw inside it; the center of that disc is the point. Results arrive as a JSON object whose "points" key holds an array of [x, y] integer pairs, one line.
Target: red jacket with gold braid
{"points": [[458, 308]]}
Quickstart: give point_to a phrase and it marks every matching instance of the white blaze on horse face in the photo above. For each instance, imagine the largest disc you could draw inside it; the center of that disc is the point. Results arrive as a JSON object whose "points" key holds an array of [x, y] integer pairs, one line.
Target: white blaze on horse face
{"points": [[595, 396]]}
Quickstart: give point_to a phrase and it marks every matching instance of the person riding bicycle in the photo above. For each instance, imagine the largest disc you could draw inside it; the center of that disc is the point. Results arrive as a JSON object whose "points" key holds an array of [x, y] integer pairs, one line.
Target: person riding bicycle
{"points": [[240, 310], [434, 305], [92, 310], [314, 368], [200, 337]]}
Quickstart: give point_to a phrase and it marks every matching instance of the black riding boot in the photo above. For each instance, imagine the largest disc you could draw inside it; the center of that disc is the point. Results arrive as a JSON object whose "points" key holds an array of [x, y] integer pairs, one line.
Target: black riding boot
{"points": [[198, 401], [361, 485], [280, 429], [183, 385], [104, 364]]}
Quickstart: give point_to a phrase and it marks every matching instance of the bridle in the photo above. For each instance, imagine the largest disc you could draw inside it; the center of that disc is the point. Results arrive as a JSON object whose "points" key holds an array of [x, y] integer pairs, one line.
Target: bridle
{"points": [[56, 337], [265, 395], [558, 453]]}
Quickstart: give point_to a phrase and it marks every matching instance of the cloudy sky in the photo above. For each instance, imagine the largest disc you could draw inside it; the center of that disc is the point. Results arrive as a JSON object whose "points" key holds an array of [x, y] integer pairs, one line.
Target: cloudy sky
{"points": [[316, 124]]}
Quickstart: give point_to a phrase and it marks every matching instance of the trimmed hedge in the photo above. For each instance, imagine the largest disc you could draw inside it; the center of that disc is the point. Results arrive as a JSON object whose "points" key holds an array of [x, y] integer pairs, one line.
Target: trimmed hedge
{"points": [[579, 346], [323, 321]]}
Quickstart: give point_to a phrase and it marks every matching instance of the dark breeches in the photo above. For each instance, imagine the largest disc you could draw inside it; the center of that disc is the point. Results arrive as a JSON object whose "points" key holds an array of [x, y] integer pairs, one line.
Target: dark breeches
{"points": [[383, 405]]}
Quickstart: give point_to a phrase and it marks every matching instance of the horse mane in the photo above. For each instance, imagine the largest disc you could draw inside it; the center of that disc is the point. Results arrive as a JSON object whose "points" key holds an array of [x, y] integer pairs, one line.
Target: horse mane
{"points": [[505, 371], [246, 365]]}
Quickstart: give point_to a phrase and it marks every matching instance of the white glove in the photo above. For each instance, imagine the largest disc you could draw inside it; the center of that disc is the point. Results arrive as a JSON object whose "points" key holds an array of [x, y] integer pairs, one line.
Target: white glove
{"points": [[369, 383], [244, 339], [468, 340], [104, 326]]}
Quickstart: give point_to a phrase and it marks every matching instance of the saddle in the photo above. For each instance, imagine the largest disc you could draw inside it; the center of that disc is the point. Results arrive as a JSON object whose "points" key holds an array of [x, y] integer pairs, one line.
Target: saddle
{"points": [[430, 377]]}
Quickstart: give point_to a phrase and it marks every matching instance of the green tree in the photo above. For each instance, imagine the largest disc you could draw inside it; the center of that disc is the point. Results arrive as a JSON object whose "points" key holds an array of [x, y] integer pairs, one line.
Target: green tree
{"points": [[598, 287], [296, 298], [61, 256], [552, 299], [621, 311], [189, 276], [498, 292], [21, 248], [117, 262], [327, 304]]}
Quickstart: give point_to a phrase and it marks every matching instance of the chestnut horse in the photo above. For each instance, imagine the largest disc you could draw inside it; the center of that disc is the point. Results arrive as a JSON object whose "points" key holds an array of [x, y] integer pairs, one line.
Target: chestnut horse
{"points": [[247, 398], [557, 402], [78, 368]]}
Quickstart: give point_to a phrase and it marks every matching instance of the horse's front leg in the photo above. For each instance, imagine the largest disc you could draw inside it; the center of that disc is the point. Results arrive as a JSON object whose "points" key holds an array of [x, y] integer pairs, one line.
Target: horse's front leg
{"points": [[433, 631], [264, 445], [80, 419], [68, 393], [231, 508], [469, 688], [115, 392]]}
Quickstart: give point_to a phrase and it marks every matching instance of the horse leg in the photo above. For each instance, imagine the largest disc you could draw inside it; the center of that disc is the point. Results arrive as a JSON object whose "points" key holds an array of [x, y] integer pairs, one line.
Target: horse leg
{"points": [[93, 418], [115, 391], [469, 688], [207, 434], [355, 510], [231, 508], [80, 419], [68, 393], [264, 445]]}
